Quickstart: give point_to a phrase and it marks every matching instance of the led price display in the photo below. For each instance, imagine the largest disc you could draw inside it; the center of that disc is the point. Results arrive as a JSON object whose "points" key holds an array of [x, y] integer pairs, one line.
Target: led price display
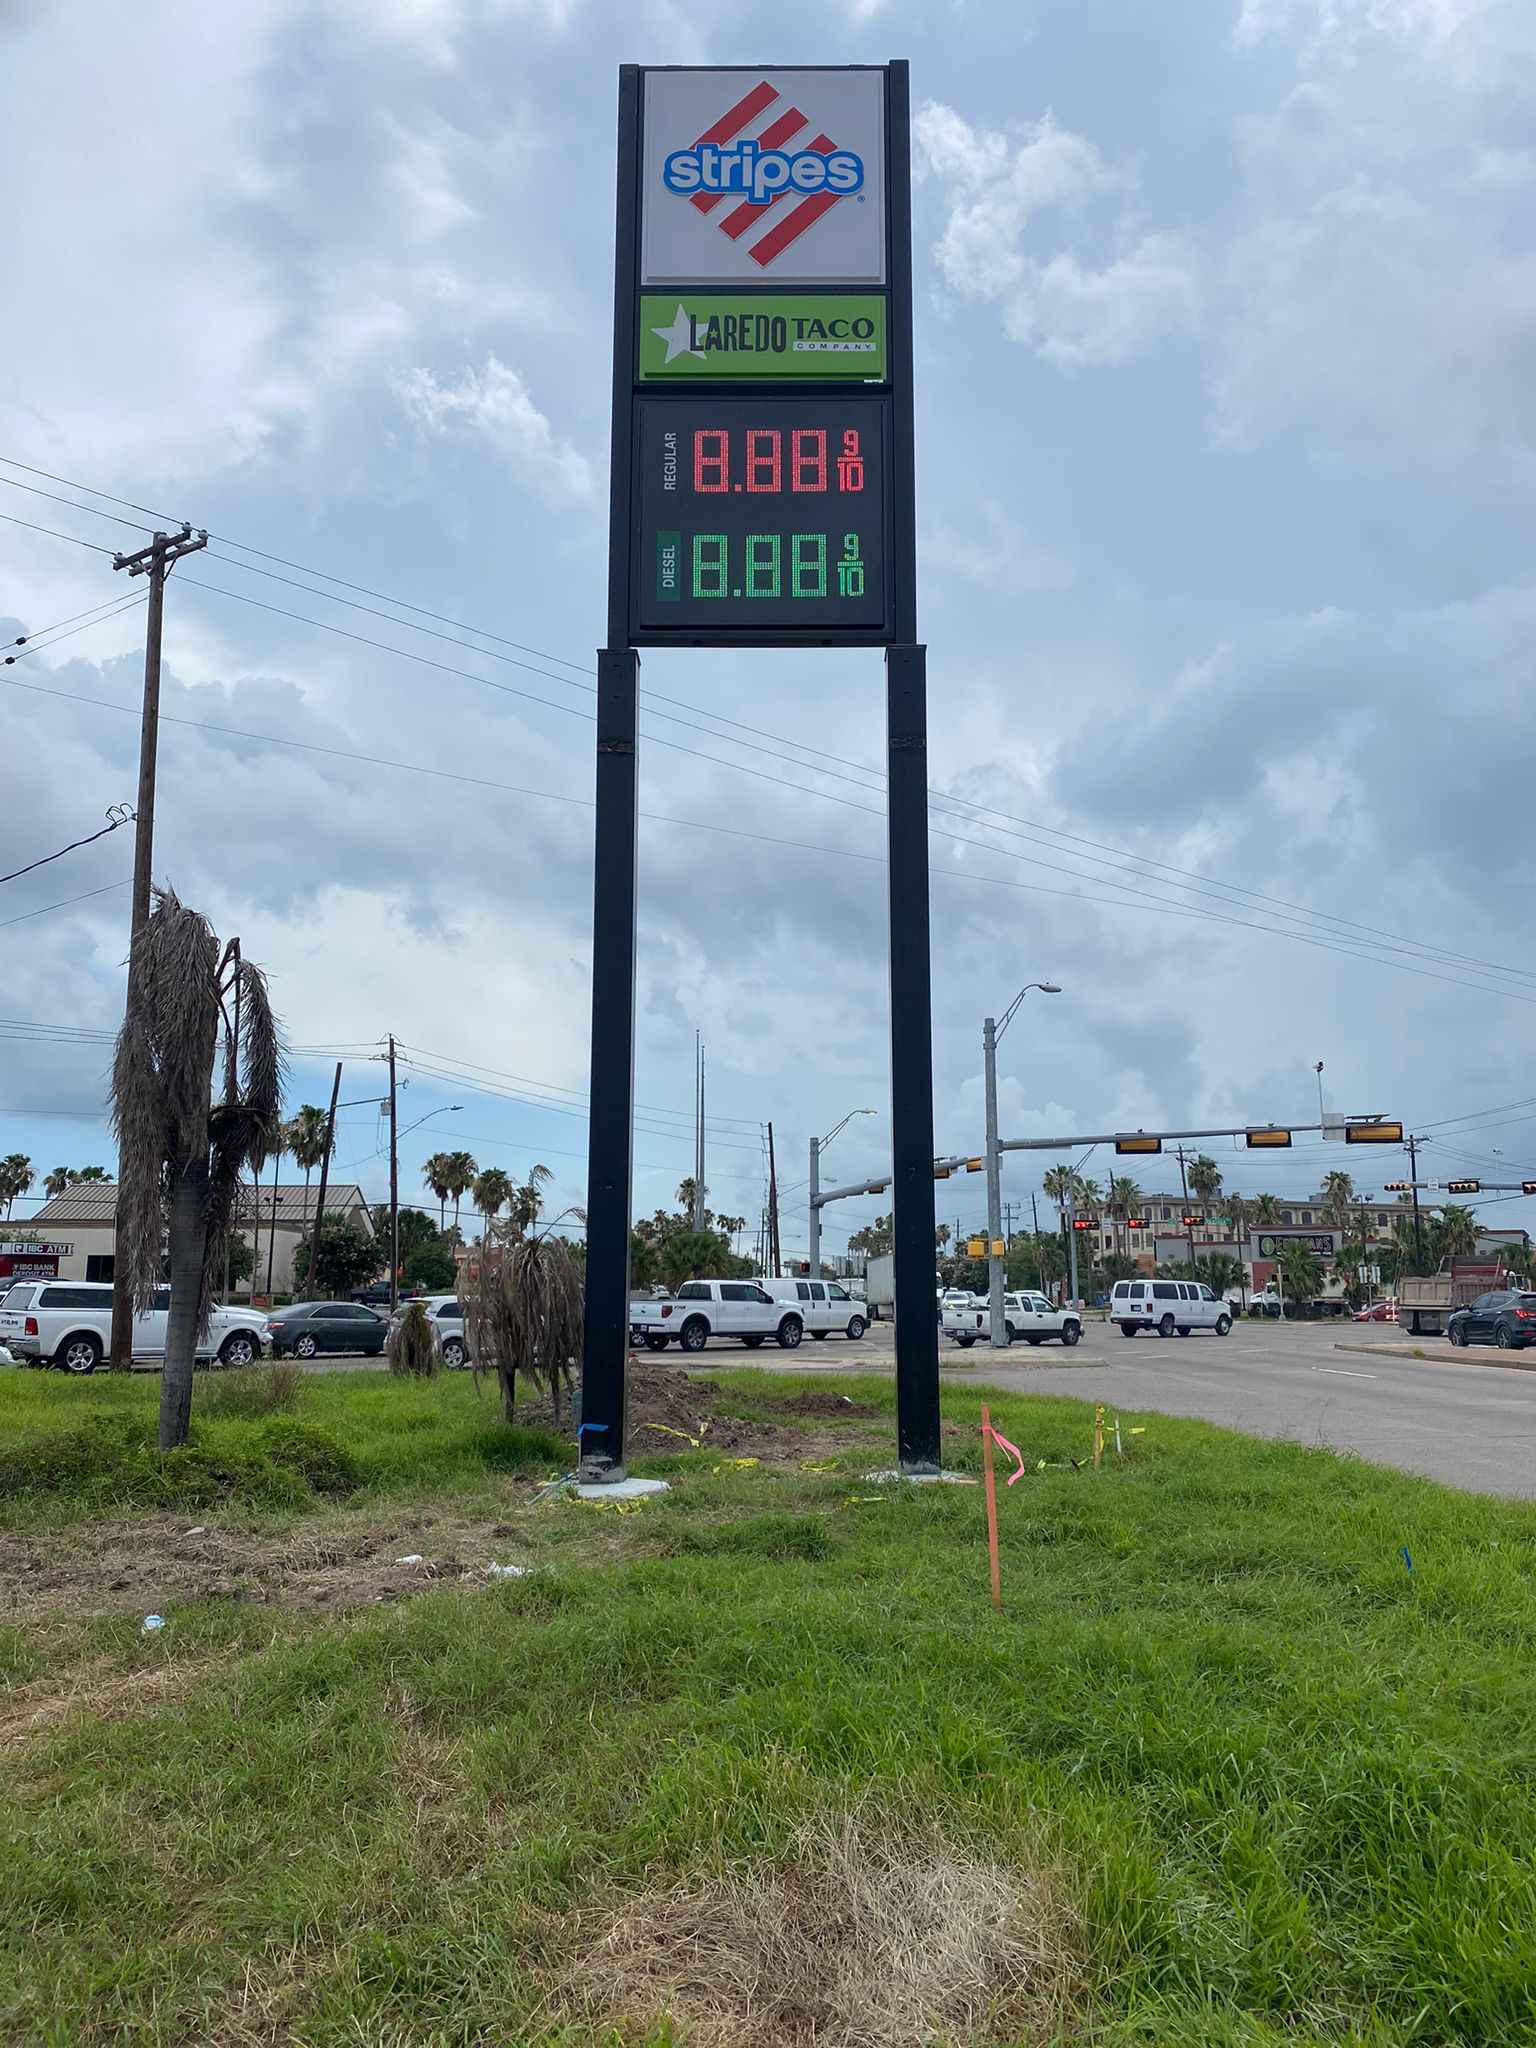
{"points": [[762, 517]]}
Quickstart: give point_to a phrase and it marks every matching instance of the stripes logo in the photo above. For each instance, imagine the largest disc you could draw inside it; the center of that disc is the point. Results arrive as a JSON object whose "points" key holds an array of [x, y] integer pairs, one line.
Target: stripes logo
{"points": [[772, 224]]}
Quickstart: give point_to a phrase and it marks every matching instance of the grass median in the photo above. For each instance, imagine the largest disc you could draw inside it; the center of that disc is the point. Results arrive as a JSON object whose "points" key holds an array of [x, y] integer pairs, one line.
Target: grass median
{"points": [[755, 1762]]}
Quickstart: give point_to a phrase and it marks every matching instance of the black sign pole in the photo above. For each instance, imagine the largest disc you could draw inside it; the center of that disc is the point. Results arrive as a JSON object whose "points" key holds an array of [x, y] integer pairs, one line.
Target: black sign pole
{"points": [[912, 1243], [605, 1332]]}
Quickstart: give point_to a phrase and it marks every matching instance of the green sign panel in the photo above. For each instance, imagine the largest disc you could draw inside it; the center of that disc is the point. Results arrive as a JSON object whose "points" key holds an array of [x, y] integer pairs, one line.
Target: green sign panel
{"points": [[762, 338]]}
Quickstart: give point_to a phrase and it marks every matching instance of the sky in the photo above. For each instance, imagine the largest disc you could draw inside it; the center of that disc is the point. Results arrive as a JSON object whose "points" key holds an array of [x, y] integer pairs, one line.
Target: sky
{"points": [[1226, 400]]}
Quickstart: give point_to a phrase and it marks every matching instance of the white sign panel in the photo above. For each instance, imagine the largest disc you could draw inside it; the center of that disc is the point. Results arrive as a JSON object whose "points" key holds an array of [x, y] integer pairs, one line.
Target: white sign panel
{"points": [[773, 177]]}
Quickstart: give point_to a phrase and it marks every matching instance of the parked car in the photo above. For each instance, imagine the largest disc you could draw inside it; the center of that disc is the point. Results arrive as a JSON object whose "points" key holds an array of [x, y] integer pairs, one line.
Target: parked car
{"points": [[716, 1308], [1377, 1312], [827, 1306], [1025, 1314], [306, 1328], [1166, 1306], [68, 1323], [445, 1313], [1505, 1317]]}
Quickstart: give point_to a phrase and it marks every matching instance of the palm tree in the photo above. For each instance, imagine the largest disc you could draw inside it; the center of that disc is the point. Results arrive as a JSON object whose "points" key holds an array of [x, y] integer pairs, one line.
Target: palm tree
{"points": [[1338, 1193], [180, 1153], [492, 1191], [460, 1178], [437, 1173], [57, 1181], [89, 1173], [307, 1136], [1221, 1273], [1125, 1201], [1302, 1270], [527, 1199], [1204, 1178], [941, 1236], [1265, 1210], [16, 1178], [1459, 1231]]}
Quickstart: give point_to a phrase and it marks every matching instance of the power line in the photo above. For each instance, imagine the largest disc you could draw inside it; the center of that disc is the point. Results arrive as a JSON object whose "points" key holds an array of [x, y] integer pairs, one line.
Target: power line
{"points": [[65, 902], [967, 809], [117, 816]]}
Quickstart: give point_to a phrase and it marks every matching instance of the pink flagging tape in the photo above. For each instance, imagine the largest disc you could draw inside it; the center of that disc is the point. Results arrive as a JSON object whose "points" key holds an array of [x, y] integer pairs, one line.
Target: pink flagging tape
{"points": [[1012, 1450]]}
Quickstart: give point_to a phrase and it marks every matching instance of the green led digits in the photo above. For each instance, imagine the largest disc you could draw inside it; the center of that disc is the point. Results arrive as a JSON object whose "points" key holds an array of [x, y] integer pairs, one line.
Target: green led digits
{"points": [[850, 570], [808, 565], [709, 576], [762, 566], [763, 551]]}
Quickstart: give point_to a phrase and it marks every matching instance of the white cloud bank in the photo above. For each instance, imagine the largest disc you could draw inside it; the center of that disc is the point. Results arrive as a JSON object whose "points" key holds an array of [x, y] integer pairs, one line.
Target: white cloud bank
{"points": [[495, 404]]}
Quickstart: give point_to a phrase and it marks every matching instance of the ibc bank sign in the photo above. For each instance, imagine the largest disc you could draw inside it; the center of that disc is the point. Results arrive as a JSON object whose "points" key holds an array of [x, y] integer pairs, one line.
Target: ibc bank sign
{"points": [[763, 176]]}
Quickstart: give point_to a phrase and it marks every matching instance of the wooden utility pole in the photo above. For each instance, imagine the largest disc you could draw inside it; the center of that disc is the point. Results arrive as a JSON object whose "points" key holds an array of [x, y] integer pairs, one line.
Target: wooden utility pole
{"points": [[156, 562], [394, 1185], [773, 1211], [325, 1174]]}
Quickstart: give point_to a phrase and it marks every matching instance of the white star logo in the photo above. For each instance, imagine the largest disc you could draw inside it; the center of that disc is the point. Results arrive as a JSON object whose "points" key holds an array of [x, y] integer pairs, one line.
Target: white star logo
{"points": [[679, 336]]}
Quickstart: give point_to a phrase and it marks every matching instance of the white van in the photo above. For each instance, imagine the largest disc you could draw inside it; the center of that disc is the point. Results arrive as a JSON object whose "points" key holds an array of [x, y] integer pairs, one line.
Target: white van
{"points": [[827, 1306], [1166, 1306]]}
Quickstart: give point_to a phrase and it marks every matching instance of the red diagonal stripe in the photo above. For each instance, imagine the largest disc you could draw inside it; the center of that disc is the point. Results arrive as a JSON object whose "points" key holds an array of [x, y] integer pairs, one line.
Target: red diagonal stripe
{"points": [[777, 132], [791, 227], [744, 216]]}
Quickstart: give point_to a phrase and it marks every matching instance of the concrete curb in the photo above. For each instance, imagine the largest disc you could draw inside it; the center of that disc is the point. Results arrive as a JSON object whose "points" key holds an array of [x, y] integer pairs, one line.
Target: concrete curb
{"points": [[1454, 1354]]}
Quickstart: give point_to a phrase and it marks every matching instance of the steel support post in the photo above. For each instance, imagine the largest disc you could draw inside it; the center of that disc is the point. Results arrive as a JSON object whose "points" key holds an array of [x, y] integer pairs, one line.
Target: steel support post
{"points": [[996, 1322], [815, 1209], [605, 1334], [917, 1330]]}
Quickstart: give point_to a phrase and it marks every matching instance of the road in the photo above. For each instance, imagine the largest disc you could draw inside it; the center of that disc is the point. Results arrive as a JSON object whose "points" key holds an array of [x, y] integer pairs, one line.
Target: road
{"points": [[1467, 1423]]}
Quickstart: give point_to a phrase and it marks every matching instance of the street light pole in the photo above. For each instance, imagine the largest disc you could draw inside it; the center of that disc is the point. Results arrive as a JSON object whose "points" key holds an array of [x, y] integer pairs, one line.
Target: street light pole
{"points": [[991, 1032], [817, 1147]]}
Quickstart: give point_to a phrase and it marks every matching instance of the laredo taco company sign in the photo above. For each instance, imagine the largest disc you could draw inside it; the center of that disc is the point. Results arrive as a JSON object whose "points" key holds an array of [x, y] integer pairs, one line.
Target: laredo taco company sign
{"points": [[761, 339], [763, 177]]}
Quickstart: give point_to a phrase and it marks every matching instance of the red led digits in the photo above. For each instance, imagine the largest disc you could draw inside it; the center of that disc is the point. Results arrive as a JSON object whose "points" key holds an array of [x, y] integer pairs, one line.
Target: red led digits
{"points": [[765, 459], [808, 459], [850, 464], [711, 467]]}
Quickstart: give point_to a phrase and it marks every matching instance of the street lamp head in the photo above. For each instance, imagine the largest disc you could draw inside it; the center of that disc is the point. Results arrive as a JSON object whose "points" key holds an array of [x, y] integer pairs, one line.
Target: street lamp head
{"points": [[1048, 988]]}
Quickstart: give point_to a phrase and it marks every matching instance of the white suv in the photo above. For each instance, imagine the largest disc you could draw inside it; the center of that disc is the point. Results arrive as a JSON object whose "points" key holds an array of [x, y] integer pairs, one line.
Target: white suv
{"points": [[716, 1308], [1166, 1306], [68, 1323]]}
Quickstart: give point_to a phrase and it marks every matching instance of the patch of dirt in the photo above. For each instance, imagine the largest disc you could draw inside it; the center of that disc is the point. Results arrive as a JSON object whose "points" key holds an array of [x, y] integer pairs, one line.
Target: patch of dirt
{"points": [[671, 1411], [874, 1935], [843, 1406]]}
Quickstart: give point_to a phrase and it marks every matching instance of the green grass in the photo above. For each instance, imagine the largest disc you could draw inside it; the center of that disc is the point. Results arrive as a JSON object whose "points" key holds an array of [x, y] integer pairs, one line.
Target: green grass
{"points": [[73, 1446], [1286, 1783]]}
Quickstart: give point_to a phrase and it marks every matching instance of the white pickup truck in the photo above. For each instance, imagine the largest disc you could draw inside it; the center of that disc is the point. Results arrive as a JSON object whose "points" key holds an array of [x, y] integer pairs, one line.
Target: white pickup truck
{"points": [[716, 1308], [68, 1323], [1029, 1316]]}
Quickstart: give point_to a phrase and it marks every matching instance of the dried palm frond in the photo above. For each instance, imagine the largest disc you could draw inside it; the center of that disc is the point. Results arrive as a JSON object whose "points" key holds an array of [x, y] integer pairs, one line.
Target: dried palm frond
{"points": [[412, 1348], [523, 1312]]}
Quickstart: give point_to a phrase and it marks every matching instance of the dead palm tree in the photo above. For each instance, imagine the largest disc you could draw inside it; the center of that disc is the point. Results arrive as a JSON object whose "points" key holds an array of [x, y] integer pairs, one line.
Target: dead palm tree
{"points": [[523, 1312], [180, 1153]]}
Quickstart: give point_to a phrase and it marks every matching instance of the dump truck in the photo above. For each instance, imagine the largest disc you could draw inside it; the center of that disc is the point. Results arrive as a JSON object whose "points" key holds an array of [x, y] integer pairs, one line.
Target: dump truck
{"points": [[1425, 1302]]}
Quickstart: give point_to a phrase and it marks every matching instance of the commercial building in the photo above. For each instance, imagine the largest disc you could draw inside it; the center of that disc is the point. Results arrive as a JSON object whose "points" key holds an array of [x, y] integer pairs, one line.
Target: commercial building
{"points": [[73, 1234]]}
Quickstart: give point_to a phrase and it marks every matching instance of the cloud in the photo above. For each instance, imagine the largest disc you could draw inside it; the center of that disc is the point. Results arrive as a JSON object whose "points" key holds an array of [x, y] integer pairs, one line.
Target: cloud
{"points": [[495, 404], [1070, 313]]}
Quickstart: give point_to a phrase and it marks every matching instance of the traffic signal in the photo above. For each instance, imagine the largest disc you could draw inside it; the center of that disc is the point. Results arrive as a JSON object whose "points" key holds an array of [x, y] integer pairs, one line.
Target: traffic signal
{"points": [[974, 1165], [1189, 1222], [1528, 1187], [975, 1247], [1462, 1187], [1083, 1223], [1135, 1141], [1403, 1187], [1373, 1134], [941, 1173], [1135, 1223], [1267, 1139]]}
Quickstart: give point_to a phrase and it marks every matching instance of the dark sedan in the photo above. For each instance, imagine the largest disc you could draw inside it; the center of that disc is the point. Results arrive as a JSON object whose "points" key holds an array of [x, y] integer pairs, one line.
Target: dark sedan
{"points": [[1506, 1318], [309, 1327]]}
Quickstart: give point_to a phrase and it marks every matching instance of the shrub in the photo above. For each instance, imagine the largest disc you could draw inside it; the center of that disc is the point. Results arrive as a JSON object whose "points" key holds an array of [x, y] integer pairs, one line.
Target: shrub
{"points": [[412, 1347], [310, 1452]]}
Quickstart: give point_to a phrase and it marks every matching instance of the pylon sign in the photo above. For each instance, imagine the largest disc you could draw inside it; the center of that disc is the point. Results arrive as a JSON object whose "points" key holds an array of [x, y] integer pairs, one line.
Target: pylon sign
{"points": [[762, 481]]}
